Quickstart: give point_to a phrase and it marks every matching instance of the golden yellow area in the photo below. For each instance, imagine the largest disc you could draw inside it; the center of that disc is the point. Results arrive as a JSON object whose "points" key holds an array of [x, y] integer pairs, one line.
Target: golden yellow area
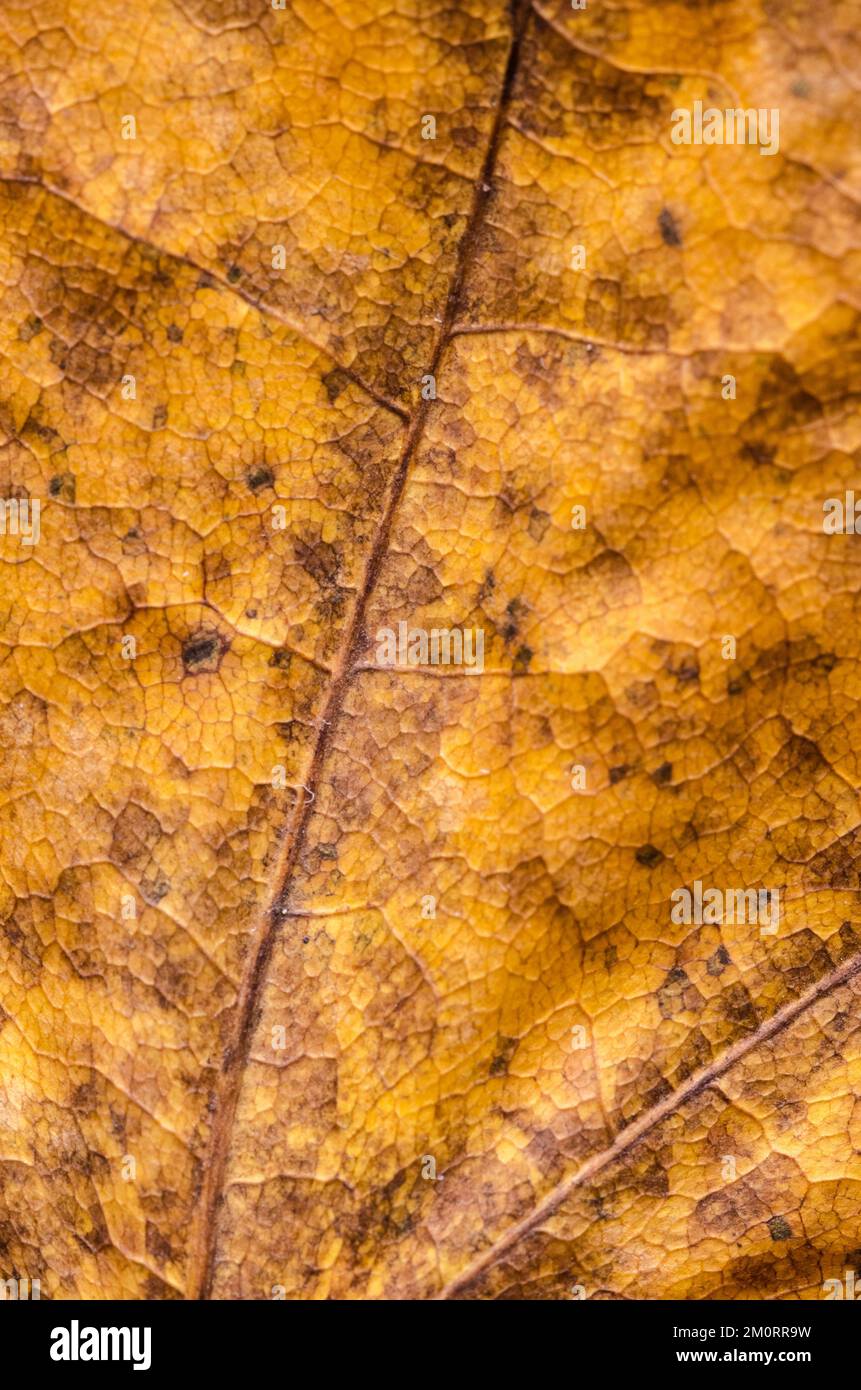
{"points": [[321, 979]]}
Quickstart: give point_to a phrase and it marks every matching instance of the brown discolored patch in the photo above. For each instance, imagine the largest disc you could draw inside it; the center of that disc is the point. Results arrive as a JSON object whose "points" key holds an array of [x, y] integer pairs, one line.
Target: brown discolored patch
{"points": [[154, 885], [260, 478], [202, 651], [654, 1180], [335, 382], [779, 1228], [696, 1053], [506, 1049], [718, 962], [687, 670], [30, 328], [538, 523], [738, 1009], [670, 234], [135, 835], [678, 994], [649, 856], [62, 485], [319, 558], [157, 1245]]}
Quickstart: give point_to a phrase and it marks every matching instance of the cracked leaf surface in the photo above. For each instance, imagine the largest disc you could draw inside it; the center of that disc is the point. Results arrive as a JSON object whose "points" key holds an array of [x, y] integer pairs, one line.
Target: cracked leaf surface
{"points": [[294, 911]]}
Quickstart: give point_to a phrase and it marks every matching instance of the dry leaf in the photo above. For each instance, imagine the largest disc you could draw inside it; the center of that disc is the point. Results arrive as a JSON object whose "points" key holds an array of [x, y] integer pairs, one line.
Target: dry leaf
{"points": [[327, 978]]}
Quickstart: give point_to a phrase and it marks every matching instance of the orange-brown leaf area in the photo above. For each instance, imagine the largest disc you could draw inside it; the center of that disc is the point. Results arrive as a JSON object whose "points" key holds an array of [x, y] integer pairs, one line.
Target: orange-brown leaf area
{"points": [[321, 978]]}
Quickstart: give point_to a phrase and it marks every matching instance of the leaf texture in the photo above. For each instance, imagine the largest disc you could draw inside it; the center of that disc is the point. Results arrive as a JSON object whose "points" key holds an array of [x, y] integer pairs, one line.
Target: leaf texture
{"points": [[233, 1094]]}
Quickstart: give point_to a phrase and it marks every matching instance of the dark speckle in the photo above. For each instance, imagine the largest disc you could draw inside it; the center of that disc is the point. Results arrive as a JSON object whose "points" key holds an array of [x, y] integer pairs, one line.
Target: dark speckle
{"points": [[31, 326], [674, 995], [663, 774], [487, 587], [506, 1049], [174, 334], [318, 558], [655, 1181], [260, 478], [84, 1097], [737, 1008], [825, 663], [688, 671], [157, 1245], [780, 1228], [850, 942], [335, 382], [41, 431], [760, 454], [154, 887], [63, 485], [202, 651], [648, 856], [718, 963], [669, 230], [234, 274], [617, 774], [513, 610]]}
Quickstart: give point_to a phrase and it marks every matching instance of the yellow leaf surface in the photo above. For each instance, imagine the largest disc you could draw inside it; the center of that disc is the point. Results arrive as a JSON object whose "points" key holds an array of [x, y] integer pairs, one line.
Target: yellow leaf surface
{"points": [[322, 978]]}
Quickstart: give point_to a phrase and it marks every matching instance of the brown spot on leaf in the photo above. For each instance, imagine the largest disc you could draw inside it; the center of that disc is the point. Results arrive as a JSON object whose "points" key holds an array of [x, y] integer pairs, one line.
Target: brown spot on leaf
{"points": [[202, 651]]}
